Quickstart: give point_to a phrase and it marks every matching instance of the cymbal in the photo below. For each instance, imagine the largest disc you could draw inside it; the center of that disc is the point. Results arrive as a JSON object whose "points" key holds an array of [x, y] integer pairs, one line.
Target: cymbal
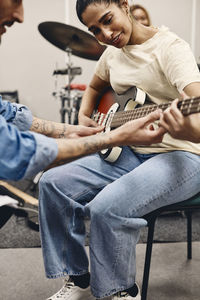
{"points": [[65, 36]]}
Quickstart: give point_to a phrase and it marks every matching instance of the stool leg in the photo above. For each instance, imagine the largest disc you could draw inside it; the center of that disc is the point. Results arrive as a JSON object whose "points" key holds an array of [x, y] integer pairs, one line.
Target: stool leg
{"points": [[151, 225], [189, 234]]}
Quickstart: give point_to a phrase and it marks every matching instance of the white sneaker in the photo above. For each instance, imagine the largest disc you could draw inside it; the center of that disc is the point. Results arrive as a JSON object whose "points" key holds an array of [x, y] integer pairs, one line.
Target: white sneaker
{"points": [[124, 295], [72, 292]]}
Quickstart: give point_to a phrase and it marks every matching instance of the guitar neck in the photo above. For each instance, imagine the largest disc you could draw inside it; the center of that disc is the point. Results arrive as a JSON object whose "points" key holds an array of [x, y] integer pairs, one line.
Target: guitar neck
{"points": [[187, 107]]}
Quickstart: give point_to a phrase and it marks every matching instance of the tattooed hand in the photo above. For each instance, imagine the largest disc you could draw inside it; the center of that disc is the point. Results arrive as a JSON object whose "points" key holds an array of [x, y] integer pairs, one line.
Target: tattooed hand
{"points": [[62, 130], [80, 131]]}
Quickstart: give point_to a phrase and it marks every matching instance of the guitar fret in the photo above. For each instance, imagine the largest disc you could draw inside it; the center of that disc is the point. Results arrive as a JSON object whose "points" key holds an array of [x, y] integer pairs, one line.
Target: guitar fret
{"points": [[194, 109], [190, 106]]}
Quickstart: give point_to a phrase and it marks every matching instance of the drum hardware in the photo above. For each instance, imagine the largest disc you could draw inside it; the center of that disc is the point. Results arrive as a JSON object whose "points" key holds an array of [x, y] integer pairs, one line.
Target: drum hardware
{"points": [[74, 71], [70, 104], [70, 96], [77, 42]]}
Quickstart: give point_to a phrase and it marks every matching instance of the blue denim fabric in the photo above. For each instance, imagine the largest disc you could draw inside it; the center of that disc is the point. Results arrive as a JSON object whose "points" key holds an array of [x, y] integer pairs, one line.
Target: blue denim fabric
{"points": [[46, 151], [115, 196], [22, 153], [16, 114]]}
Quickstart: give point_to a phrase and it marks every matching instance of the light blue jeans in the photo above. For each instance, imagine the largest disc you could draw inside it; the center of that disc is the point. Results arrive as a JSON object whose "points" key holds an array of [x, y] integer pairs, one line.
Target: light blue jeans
{"points": [[115, 196]]}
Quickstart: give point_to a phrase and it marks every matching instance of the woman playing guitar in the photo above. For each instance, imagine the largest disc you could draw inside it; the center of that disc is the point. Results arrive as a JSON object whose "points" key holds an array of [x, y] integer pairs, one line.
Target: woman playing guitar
{"points": [[143, 178]]}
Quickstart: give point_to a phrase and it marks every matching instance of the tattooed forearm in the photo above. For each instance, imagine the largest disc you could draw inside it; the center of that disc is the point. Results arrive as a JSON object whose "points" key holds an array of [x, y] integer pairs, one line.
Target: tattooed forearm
{"points": [[49, 128], [69, 150], [64, 132]]}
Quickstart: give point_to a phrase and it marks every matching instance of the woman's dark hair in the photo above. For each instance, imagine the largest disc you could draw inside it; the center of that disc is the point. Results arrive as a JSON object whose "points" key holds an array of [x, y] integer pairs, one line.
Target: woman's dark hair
{"points": [[81, 5]]}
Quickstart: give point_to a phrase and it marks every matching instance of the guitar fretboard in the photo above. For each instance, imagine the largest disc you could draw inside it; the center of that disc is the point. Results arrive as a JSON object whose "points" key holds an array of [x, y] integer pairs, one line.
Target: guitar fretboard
{"points": [[187, 107]]}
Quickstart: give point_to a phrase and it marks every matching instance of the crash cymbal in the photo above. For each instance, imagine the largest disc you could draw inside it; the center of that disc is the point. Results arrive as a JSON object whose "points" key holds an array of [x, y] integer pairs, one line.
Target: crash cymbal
{"points": [[65, 36]]}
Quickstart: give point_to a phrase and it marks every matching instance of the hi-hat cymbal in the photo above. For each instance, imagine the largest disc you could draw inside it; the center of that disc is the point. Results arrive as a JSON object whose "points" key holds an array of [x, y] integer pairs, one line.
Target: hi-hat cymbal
{"points": [[65, 36]]}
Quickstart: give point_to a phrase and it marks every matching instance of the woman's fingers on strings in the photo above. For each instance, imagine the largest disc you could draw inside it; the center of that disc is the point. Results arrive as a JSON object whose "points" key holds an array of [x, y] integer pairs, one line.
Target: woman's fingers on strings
{"points": [[152, 117], [175, 111], [172, 111], [163, 124], [155, 131]]}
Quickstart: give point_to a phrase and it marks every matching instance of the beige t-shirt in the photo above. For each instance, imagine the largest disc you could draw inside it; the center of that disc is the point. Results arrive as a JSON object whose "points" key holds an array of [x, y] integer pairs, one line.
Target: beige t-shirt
{"points": [[162, 67]]}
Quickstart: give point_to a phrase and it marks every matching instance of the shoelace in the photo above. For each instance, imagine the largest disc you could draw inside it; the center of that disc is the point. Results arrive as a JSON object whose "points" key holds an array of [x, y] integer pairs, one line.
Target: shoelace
{"points": [[66, 289], [122, 294]]}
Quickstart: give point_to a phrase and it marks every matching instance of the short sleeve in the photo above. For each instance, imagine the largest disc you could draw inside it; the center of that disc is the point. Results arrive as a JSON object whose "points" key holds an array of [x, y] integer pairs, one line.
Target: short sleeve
{"points": [[180, 66], [102, 70]]}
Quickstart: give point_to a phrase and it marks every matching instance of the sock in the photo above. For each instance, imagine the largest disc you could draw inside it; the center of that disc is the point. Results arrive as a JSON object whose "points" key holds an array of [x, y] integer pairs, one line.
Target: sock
{"points": [[83, 281], [133, 291]]}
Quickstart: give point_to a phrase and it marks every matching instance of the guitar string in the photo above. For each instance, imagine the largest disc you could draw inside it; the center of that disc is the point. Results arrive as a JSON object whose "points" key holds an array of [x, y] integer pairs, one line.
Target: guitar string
{"points": [[122, 120], [184, 110], [186, 106], [137, 113], [183, 105]]}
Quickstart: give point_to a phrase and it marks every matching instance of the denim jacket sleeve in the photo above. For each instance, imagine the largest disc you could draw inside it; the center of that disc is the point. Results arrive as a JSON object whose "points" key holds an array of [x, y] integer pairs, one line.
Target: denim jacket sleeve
{"points": [[16, 114], [22, 153]]}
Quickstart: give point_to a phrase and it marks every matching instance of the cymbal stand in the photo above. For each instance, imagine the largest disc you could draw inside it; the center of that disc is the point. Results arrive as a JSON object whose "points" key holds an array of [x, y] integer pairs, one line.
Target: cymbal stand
{"points": [[70, 102], [66, 99]]}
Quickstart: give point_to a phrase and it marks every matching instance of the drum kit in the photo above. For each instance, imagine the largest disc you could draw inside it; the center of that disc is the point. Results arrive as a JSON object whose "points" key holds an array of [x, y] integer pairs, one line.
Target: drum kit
{"points": [[74, 42]]}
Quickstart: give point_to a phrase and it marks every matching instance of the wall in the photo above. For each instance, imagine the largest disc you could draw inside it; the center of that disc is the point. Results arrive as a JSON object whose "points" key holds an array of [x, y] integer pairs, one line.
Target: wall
{"points": [[197, 48], [175, 14], [27, 60]]}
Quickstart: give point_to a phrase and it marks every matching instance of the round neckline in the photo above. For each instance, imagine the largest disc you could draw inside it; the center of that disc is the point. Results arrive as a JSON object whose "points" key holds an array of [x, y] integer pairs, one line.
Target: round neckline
{"points": [[160, 31]]}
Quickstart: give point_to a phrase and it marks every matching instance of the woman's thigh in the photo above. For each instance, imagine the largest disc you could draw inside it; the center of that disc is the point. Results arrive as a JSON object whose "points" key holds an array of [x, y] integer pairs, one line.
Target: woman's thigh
{"points": [[164, 179], [82, 179]]}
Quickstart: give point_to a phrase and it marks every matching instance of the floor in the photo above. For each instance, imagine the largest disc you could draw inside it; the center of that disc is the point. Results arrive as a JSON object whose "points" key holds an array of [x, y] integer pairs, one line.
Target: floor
{"points": [[172, 275]]}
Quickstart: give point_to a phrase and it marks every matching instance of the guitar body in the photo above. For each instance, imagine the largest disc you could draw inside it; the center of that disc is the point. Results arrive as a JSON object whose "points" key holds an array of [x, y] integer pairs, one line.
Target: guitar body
{"points": [[125, 108], [109, 104]]}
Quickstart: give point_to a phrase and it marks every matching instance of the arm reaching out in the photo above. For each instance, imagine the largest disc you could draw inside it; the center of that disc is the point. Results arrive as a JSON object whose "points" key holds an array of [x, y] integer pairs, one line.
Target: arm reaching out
{"points": [[133, 132], [62, 130]]}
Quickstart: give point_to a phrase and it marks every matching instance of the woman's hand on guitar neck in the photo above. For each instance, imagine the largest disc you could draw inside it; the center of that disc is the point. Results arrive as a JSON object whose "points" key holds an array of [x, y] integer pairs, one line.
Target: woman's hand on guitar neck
{"points": [[180, 127], [140, 131]]}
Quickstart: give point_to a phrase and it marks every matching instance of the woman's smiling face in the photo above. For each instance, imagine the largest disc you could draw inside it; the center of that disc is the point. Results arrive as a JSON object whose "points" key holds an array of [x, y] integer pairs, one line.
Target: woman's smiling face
{"points": [[110, 24]]}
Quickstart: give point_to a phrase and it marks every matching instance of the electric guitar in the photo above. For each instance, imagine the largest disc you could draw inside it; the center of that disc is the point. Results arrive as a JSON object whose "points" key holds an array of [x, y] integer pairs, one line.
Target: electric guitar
{"points": [[126, 109]]}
